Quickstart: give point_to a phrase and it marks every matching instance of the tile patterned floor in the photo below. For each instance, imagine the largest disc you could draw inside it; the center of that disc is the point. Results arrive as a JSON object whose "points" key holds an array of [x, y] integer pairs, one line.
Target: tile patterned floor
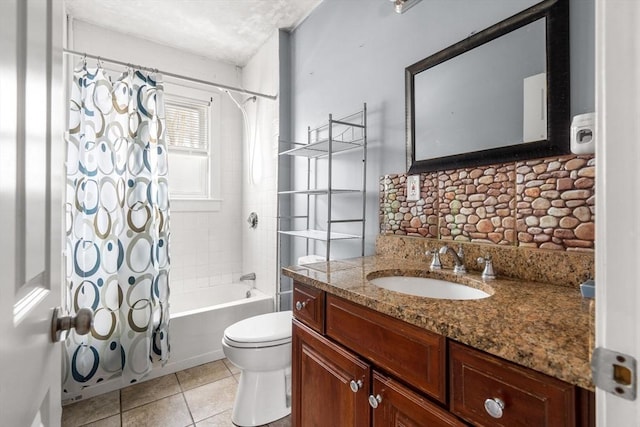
{"points": [[198, 397]]}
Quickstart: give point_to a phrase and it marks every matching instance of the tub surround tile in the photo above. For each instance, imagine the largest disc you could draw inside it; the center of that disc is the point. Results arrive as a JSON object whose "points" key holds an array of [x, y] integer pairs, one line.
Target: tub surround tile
{"points": [[91, 410], [170, 411], [202, 374], [211, 399], [149, 391], [536, 325], [561, 268]]}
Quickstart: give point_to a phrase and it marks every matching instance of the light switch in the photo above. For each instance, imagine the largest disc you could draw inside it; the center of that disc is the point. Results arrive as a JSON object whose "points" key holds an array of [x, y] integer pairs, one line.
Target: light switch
{"points": [[413, 188]]}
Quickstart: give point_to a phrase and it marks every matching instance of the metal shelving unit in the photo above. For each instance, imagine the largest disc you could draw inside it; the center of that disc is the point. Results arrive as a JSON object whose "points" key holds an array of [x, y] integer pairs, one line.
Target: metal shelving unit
{"points": [[323, 144]]}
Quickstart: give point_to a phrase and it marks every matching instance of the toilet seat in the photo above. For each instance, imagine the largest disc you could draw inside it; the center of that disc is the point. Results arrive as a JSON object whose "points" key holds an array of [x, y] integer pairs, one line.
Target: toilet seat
{"points": [[266, 330]]}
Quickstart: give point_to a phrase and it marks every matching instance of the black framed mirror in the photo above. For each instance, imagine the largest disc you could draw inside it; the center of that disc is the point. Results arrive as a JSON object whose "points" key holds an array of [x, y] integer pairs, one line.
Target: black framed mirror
{"points": [[500, 95]]}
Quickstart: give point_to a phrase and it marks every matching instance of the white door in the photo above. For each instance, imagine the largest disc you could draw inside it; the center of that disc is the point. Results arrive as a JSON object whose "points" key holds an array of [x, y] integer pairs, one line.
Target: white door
{"points": [[31, 183], [618, 195]]}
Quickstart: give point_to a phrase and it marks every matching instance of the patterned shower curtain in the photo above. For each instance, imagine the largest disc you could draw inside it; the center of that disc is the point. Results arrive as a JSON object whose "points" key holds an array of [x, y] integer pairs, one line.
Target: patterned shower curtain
{"points": [[117, 227]]}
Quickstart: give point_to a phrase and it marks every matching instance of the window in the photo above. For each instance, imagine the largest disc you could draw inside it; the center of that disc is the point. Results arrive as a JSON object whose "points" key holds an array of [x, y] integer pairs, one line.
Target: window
{"points": [[191, 121]]}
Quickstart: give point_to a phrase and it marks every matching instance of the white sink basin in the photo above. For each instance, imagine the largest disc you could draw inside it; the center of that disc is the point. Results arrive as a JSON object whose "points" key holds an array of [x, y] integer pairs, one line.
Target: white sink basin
{"points": [[430, 288]]}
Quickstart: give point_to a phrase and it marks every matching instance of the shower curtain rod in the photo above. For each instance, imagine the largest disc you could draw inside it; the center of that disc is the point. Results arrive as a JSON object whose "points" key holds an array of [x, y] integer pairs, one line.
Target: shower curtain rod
{"points": [[177, 76]]}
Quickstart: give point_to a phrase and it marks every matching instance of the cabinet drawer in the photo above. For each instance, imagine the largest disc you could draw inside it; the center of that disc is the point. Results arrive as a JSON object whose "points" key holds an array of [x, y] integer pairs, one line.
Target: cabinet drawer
{"points": [[528, 398], [399, 406], [308, 306], [413, 354]]}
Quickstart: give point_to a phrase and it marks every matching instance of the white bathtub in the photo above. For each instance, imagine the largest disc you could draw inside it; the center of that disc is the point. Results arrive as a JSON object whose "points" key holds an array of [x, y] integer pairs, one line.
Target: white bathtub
{"points": [[199, 318], [198, 321]]}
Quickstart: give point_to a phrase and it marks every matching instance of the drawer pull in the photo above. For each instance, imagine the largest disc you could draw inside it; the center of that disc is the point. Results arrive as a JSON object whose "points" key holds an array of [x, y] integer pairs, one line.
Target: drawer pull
{"points": [[355, 385], [494, 407], [374, 400], [300, 305]]}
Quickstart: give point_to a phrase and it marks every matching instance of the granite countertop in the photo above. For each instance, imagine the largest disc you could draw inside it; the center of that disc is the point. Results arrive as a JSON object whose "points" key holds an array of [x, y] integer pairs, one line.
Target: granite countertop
{"points": [[541, 326]]}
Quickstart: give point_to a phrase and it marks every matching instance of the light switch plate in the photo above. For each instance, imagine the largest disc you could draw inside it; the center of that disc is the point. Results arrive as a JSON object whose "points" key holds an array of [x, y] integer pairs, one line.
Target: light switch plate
{"points": [[413, 188]]}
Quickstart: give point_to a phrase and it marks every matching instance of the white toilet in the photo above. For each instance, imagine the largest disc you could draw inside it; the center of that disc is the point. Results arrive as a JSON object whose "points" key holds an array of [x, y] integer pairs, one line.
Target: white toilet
{"points": [[261, 347]]}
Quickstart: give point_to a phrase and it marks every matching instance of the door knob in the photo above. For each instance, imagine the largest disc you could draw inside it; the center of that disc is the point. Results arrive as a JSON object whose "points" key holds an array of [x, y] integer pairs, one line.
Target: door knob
{"points": [[355, 385], [374, 401], [82, 322], [494, 407]]}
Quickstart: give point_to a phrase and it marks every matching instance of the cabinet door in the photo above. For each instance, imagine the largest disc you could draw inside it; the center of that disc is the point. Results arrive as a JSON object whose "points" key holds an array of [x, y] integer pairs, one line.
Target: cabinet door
{"points": [[399, 406], [489, 391], [322, 373]]}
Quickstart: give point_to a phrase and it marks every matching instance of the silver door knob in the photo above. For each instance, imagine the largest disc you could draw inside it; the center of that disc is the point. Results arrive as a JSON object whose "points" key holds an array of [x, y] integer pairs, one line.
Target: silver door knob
{"points": [[494, 407], [82, 322], [300, 305], [355, 385], [375, 400]]}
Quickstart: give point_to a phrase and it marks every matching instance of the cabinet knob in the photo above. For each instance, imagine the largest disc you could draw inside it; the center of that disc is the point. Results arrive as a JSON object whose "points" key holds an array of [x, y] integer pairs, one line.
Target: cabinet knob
{"points": [[300, 305], [355, 385], [494, 407], [375, 400]]}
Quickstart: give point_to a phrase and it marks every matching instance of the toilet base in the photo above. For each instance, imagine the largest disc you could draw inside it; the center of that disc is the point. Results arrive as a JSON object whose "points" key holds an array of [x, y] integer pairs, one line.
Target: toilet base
{"points": [[262, 397]]}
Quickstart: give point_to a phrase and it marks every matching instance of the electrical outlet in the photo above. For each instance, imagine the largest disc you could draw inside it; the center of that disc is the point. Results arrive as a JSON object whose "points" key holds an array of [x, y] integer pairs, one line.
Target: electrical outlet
{"points": [[413, 188]]}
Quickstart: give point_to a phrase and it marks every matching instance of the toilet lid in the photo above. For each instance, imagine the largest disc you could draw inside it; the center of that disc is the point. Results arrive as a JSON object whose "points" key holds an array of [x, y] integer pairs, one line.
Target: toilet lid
{"points": [[265, 329]]}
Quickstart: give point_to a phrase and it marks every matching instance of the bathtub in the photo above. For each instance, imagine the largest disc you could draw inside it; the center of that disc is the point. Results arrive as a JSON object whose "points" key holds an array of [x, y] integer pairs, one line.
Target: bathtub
{"points": [[198, 321], [199, 318]]}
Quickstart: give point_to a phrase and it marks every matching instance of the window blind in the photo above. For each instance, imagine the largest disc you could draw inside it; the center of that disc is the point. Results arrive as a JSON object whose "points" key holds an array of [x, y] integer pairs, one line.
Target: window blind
{"points": [[187, 125]]}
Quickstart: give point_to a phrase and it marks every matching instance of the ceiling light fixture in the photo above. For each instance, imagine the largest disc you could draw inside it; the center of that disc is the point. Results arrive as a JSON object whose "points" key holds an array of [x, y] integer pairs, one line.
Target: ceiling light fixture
{"points": [[402, 6]]}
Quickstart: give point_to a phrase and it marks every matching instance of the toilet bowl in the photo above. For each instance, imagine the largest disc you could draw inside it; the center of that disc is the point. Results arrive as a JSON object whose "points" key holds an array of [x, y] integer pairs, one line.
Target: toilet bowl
{"points": [[261, 347]]}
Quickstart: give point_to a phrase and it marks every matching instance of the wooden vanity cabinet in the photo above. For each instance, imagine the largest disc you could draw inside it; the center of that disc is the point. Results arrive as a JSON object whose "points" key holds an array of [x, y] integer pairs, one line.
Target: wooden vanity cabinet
{"points": [[348, 359]]}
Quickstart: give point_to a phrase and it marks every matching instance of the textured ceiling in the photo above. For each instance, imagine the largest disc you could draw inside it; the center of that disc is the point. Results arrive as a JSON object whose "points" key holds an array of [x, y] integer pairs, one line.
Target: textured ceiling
{"points": [[225, 30]]}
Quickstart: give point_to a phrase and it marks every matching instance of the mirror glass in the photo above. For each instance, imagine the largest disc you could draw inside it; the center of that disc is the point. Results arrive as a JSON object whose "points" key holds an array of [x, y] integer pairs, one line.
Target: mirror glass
{"points": [[475, 101], [500, 95]]}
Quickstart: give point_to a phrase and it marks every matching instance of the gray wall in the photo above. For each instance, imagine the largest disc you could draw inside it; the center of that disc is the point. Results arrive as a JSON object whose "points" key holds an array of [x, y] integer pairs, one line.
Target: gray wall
{"points": [[351, 51]]}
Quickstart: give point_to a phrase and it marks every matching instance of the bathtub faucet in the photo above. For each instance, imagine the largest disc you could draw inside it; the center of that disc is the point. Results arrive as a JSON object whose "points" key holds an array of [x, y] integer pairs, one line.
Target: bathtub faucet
{"points": [[249, 276]]}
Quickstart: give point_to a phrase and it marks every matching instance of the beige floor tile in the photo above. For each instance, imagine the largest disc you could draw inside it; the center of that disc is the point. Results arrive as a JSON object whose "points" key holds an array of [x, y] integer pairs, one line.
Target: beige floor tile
{"points": [[149, 391], [113, 421], [171, 411], [203, 374], [211, 399], [282, 422], [220, 420], [233, 368], [90, 410]]}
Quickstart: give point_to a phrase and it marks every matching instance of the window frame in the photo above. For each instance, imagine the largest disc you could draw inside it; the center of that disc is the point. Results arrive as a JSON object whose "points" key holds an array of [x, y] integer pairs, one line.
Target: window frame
{"points": [[181, 92]]}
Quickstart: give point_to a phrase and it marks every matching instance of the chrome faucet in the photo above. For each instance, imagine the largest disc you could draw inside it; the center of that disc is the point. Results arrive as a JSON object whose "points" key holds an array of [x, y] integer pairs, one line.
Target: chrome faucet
{"points": [[487, 273], [248, 276], [458, 258], [435, 260]]}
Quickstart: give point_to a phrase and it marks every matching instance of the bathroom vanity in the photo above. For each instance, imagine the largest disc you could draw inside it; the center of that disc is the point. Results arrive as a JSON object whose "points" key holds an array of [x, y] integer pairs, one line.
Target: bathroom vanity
{"points": [[363, 355]]}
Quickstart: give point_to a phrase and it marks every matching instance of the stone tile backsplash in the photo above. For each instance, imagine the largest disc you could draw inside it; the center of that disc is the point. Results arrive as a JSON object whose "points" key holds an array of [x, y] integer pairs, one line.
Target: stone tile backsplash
{"points": [[544, 203]]}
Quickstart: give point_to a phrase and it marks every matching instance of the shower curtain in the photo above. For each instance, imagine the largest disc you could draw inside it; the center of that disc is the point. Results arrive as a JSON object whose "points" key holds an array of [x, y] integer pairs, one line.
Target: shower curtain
{"points": [[117, 227]]}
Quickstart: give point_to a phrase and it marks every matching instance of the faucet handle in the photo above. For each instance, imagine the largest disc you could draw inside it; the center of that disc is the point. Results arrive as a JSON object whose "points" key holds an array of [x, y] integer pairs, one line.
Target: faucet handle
{"points": [[461, 253], [487, 273], [435, 260]]}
